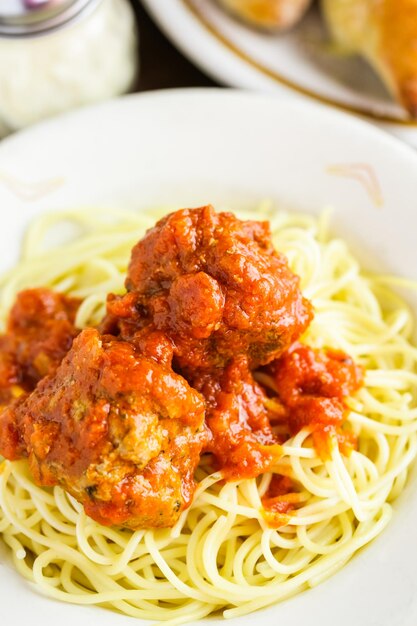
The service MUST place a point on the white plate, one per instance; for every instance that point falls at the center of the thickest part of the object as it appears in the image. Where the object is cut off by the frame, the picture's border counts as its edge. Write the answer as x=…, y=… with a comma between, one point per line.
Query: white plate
x=187, y=148
x=295, y=65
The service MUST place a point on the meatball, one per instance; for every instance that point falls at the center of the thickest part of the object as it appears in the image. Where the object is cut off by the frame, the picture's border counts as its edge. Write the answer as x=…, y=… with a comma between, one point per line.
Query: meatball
x=40, y=331
x=216, y=287
x=10, y=374
x=118, y=431
x=241, y=438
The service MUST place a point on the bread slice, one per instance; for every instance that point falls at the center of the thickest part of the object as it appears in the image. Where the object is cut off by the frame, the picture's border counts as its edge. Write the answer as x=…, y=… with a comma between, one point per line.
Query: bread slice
x=385, y=33
x=270, y=14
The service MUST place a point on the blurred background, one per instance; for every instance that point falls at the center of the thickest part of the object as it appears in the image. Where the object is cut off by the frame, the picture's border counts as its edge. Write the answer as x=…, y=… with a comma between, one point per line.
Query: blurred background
x=162, y=66
x=359, y=56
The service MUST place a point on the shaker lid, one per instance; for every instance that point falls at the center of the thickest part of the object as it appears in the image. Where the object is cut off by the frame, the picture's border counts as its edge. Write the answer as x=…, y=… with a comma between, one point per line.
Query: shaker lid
x=30, y=17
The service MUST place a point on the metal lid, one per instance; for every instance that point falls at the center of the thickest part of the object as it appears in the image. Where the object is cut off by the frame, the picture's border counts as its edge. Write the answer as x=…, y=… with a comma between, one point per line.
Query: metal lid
x=20, y=18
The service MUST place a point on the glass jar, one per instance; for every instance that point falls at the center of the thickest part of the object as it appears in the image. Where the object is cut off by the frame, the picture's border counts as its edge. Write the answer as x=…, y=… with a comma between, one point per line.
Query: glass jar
x=60, y=54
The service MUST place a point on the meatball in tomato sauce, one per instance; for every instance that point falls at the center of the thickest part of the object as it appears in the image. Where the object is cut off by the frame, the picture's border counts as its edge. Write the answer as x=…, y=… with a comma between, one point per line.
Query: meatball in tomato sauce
x=216, y=287
x=39, y=332
x=115, y=429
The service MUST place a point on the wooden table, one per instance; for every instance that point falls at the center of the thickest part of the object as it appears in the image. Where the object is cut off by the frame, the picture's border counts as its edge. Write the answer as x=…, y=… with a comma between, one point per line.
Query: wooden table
x=162, y=65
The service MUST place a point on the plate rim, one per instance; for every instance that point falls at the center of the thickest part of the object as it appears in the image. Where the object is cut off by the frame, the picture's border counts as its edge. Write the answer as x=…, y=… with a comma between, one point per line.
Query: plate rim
x=312, y=108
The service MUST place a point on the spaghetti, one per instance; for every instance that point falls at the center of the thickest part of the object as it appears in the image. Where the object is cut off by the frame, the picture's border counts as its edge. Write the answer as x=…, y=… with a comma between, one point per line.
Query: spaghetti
x=221, y=555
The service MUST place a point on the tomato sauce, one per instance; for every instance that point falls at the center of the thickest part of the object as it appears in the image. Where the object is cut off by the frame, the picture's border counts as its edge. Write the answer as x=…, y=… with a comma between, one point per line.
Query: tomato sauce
x=279, y=501
x=312, y=386
x=241, y=438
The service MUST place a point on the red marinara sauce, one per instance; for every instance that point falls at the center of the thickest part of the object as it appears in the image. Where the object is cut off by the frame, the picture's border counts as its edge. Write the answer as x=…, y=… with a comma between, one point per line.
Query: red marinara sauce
x=241, y=439
x=312, y=386
x=280, y=499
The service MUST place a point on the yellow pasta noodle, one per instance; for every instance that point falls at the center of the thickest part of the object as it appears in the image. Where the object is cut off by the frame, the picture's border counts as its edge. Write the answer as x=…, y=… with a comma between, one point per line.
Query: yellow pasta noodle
x=221, y=555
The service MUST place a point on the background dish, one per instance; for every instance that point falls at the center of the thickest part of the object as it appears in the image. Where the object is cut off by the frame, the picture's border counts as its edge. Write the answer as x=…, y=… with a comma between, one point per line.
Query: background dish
x=293, y=65
x=188, y=148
